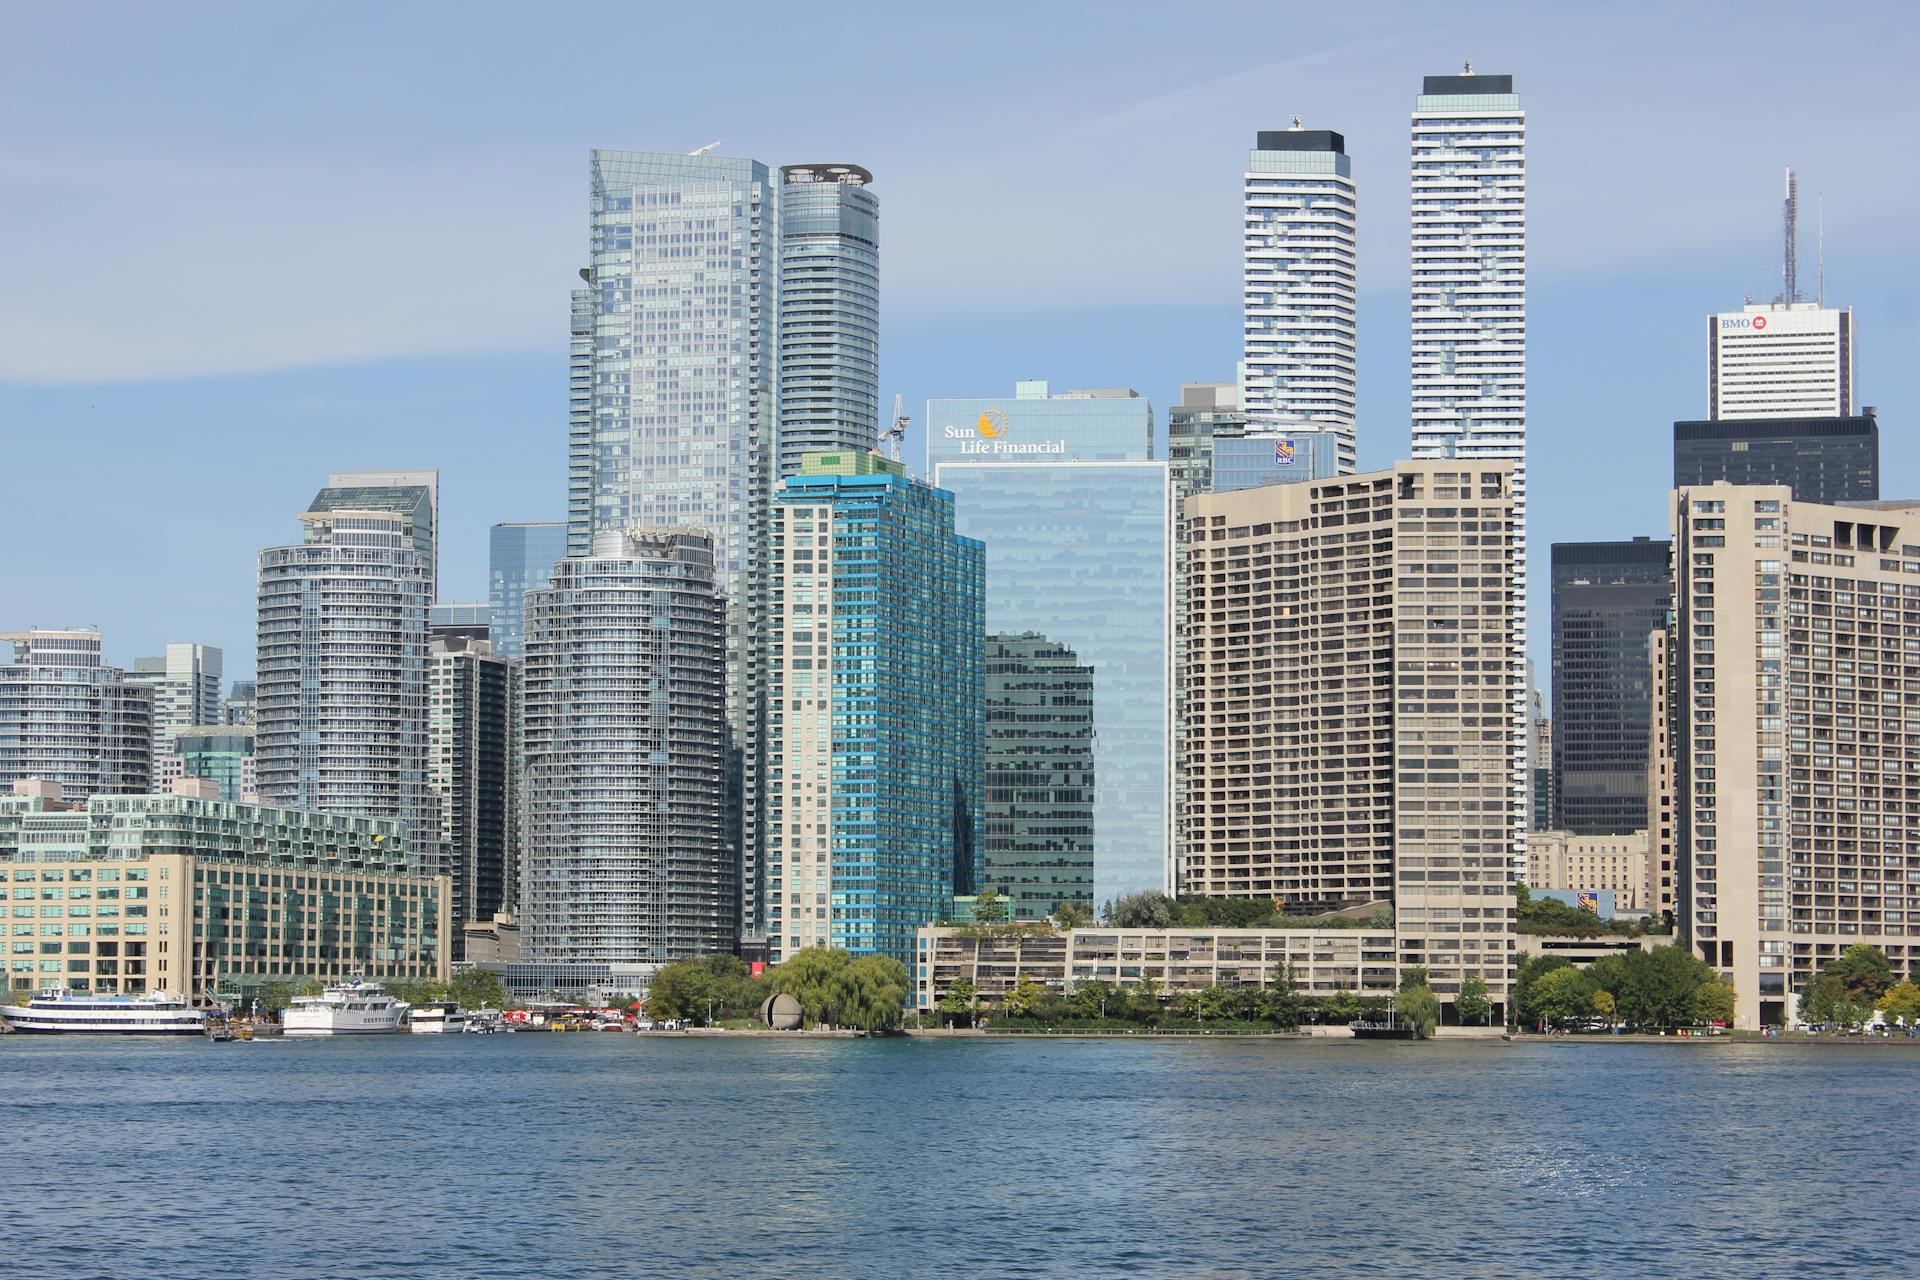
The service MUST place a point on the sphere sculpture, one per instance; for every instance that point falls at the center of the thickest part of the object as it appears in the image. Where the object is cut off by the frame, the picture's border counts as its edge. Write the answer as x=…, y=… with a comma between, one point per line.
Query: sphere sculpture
x=781, y=1012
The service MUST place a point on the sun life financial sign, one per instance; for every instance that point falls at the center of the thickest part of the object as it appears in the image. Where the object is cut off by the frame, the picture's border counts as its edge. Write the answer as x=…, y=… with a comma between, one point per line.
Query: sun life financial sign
x=989, y=436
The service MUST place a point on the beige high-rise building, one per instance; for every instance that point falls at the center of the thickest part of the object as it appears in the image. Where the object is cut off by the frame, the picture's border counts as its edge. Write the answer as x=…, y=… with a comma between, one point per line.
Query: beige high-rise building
x=1569, y=860
x=1794, y=736
x=1350, y=704
x=1661, y=857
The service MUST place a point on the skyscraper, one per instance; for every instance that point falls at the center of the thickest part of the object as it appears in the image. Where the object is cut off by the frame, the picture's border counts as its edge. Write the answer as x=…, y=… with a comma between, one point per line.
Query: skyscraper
x=1347, y=704
x=520, y=558
x=1820, y=459
x=1300, y=284
x=416, y=494
x=1039, y=846
x=237, y=706
x=186, y=690
x=223, y=755
x=66, y=717
x=626, y=861
x=829, y=311
x=875, y=708
x=470, y=734
x=341, y=711
x=1607, y=598
x=678, y=427
x=1780, y=360
x=1470, y=310
x=1076, y=515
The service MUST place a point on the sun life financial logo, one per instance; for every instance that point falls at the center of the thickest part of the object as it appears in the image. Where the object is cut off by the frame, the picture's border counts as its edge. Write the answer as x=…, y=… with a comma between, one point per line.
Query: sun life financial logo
x=989, y=435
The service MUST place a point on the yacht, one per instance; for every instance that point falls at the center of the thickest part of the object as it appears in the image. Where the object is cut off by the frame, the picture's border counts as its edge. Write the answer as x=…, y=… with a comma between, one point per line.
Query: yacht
x=439, y=1017
x=58, y=1011
x=353, y=1008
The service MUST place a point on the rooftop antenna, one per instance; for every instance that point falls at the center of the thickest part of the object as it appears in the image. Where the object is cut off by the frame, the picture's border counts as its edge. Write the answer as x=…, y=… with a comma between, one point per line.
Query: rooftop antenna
x=897, y=432
x=1790, y=216
x=1467, y=70
x=700, y=151
x=1296, y=123
x=1820, y=203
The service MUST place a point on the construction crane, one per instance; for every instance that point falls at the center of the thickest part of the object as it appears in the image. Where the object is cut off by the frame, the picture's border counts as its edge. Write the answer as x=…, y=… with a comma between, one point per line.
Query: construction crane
x=700, y=151
x=894, y=434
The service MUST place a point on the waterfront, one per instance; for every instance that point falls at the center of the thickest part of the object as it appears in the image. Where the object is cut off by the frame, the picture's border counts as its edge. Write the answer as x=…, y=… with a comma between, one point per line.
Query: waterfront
x=597, y=1155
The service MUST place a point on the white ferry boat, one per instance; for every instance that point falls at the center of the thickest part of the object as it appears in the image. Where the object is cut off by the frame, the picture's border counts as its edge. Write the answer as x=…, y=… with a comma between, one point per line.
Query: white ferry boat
x=440, y=1017
x=348, y=1009
x=58, y=1011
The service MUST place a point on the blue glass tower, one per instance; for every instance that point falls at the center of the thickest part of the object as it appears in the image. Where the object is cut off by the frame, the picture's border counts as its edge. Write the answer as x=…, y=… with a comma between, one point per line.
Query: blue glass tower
x=876, y=708
x=520, y=558
x=829, y=311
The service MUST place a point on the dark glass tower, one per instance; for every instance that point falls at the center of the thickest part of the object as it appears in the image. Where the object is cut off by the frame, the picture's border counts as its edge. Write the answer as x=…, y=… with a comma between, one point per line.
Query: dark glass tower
x=1040, y=775
x=1607, y=598
x=1820, y=459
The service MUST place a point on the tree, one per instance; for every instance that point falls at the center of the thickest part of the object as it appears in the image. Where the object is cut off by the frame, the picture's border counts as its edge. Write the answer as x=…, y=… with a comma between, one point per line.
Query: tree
x=1145, y=910
x=1714, y=1001
x=1472, y=1004
x=311, y=987
x=1826, y=1003
x=1022, y=997
x=1657, y=986
x=1072, y=915
x=989, y=908
x=1561, y=996
x=1526, y=981
x=1090, y=999
x=872, y=991
x=274, y=996
x=478, y=989
x=1604, y=1006
x=413, y=991
x=960, y=1000
x=811, y=976
x=1419, y=1008
x=1864, y=971
x=1901, y=1003
x=1280, y=1003
x=1341, y=1007
x=1414, y=975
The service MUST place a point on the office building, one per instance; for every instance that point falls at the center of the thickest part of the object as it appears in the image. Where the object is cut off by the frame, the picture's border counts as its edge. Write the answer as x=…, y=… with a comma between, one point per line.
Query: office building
x=1607, y=598
x=1820, y=459
x=678, y=429
x=1470, y=305
x=1299, y=278
x=464, y=621
x=1039, y=846
x=1780, y=360
x=520, y=558
x=67, y=718
x=1791, y=657
x=1075, y=512
x=341, y=716
x=1348, y=700
x=414, y=494
x=221, y=754
x=238, y=706
x=1616, y=863
x=829, y=311
x=1662, y=854
x=208, y=898
x=470, y=734
x=1539, y=756
x=186, y=690
x=875, y=709
x=627, y=862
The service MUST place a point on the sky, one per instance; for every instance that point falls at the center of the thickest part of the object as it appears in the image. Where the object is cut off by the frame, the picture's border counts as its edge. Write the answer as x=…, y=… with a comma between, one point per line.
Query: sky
x=244, y=246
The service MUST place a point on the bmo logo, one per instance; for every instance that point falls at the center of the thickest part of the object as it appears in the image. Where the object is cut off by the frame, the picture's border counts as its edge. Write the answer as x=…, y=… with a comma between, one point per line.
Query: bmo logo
x=1742, y=322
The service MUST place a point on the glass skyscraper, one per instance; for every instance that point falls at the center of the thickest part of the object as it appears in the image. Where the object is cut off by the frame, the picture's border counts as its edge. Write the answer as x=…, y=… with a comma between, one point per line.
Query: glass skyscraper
x=1040, y=779
x=675, y=402
x=1076, y=515
x=829, y=311
x=875, y=708
x=520, y=558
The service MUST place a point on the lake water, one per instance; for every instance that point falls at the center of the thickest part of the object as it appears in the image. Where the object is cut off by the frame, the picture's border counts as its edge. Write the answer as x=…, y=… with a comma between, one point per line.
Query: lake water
x=601, y=1155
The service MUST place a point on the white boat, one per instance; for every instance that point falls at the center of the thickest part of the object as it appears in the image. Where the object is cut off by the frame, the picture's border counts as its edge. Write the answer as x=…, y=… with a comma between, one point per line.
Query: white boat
x=353, y=1008
x=58, y=1011
x=440, y=1017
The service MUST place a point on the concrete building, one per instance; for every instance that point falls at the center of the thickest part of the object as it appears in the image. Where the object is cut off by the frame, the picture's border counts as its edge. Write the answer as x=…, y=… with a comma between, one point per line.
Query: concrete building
x=470, y=735
x=1470, y=304
x=186, y=691
x=238, y=706
x=1322, y=962
x=197, y=896
x=1820, y=459
x=1607, y=598
x=671, y=428
x=1075, y=512
x=875, y=711
x=829, y=311
x=1299, y=278
x=341, y=718
x=1792, y=654
x=520, y=558
x=221, y=754
x=1039, y=847
x=627, y=862
x=1569, y=860
x=67, y=718
x=1780, y=360
x=1662, y=858
x=1347, y=700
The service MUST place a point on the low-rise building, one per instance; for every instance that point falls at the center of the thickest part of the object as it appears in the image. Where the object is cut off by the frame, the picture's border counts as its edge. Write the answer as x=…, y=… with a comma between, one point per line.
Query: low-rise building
x=1321, y=961
x=1566, y=860
x=186, y=893
x=1583, y=951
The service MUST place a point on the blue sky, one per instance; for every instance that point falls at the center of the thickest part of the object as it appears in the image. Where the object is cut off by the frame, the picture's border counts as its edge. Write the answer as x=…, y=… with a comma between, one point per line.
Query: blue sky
x=246, y=245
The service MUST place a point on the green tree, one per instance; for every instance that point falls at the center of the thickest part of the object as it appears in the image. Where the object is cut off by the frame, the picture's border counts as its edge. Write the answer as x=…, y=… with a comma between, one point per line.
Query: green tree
x=1561, y=996
x=1414, y=975
x=1341, y=1007
x=1526, y=980
x=812, y=976
x=413, y=991
x=872, y=993
x=1656, y=988
x=311, y=987
x=1864, y=971
x=676, y=991
x=1280, y=1003
x=1022, y=997
x=1714, y=1001
x=960, y=1001
x=1827, y=1002
x=1604, y=1006
x=1091, y=999
x=1072, y=915
x=478, y=989
x=1901, y=1003
x=272, y=997
x=1472, y=1005
x=1144, y=910
x=1419, y=1008
x=989, y=908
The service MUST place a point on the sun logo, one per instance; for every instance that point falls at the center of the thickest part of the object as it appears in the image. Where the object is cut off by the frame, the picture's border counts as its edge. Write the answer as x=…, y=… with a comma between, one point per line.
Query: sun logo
x=992, y=424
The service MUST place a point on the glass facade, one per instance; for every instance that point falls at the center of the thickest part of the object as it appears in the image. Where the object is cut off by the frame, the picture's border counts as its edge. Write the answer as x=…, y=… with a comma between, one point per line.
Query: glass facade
x=520, y=558
x=875, y=709
x=1279, y=459
x=829, y=311
x=1040, y=775
x=1820, y=459
x=222, y=754
x=1031, y=426
x=1079, y=553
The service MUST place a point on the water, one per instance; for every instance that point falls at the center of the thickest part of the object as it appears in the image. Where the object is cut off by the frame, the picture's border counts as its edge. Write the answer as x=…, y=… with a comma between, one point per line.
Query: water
x=601, y=1155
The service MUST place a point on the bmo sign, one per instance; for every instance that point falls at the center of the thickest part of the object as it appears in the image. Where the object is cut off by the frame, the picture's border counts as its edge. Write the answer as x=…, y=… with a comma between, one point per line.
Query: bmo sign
x=1742, y=322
